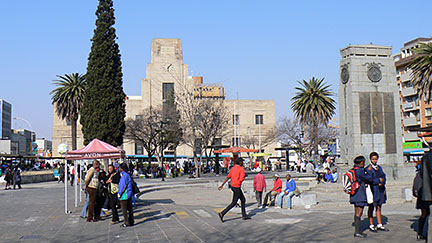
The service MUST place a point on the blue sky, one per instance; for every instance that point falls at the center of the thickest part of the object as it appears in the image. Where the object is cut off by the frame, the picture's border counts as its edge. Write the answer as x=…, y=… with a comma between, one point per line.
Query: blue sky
x=256, y=49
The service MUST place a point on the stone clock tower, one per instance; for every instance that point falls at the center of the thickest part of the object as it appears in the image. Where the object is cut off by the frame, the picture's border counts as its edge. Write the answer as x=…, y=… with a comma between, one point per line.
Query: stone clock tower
x=369, y=107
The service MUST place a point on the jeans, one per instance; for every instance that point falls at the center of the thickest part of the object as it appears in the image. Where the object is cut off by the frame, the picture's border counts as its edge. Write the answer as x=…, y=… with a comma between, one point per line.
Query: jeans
x=84, y=209
x=289, y=196
x=238, y=194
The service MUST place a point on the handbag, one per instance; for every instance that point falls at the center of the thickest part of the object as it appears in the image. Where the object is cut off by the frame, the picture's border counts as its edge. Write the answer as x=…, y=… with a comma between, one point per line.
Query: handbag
x=417, y=185
x=113, y=188
x=369, y=195
x=135, y=188
x=124, y=196
x=297, y=192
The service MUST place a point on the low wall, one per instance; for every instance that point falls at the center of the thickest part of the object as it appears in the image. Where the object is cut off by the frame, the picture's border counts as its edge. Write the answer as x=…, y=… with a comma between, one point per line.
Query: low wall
x=26, y=179
x=34, y=176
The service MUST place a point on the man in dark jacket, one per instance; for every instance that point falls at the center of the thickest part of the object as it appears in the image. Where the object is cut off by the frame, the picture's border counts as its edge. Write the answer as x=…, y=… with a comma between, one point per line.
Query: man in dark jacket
x=359, y=198
x=425, y=194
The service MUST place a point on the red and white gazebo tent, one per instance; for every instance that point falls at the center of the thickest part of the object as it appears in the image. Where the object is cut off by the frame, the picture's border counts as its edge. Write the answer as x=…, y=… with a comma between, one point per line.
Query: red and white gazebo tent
x=96, y=149
x=235, y=151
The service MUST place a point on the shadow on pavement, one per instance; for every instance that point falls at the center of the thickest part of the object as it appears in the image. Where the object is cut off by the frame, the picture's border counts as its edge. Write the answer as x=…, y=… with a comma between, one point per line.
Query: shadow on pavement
x=151, y=216
x=256, y=211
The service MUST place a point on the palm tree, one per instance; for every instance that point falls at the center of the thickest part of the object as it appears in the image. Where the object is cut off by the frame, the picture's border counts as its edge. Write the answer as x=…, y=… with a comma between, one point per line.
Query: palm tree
x=313, y=105
x=421, y=68
x=67, y=98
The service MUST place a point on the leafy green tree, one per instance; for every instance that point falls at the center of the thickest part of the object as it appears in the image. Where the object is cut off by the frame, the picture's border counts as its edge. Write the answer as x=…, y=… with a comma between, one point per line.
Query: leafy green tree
x=422, y=70
x=313, y=105
x=103, y=111
x=67, y=98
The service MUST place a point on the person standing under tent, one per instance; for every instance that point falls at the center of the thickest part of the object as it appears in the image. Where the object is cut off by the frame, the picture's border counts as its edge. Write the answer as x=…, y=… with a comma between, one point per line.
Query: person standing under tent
x=125, y=195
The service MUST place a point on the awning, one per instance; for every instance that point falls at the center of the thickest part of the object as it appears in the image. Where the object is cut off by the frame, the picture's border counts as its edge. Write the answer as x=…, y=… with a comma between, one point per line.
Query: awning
x=261, y=154
x=235, y=150
x=96, y=149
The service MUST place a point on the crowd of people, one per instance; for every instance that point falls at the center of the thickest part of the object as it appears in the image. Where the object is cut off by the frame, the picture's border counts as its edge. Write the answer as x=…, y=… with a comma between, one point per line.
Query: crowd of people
x=12, y=176
x=111, y=190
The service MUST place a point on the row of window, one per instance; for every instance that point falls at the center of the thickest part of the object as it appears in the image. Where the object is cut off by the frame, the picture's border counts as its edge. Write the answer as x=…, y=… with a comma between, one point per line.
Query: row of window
x=259, y=119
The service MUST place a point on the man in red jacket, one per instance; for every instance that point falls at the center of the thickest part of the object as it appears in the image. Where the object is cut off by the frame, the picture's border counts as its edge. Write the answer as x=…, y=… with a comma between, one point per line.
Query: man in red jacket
x=259, y=185
x=237, y=175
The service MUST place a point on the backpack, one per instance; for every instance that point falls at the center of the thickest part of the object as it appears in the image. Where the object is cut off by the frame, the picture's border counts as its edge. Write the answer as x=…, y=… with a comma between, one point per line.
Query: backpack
x=417, y=185
x=350, y=182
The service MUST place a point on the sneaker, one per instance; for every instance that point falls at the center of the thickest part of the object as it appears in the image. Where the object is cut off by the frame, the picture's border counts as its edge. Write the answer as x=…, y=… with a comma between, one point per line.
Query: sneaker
x=420, y=238
x=373, y=229
x=360, y=235
x=246, y=217
x=114, y=222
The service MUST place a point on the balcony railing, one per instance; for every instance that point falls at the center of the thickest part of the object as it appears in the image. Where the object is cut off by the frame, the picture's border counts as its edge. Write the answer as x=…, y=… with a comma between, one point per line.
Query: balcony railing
x=408, y=91
x=411, y=136
x=411, y=121
x=405, y=77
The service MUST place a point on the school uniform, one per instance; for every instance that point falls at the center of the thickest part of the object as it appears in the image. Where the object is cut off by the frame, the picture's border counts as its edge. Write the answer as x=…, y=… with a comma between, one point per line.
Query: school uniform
x=359, y=198
x=379, y=192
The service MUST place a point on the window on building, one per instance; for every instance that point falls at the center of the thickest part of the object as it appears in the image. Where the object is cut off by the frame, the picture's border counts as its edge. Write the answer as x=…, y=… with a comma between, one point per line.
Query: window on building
x=139, y=149
x=259, y=119
x=68, y=122
x=217, y=141
x=236, y=119
x=428, y=112
x=167, y=93
x=236, y=141
x=139, y=117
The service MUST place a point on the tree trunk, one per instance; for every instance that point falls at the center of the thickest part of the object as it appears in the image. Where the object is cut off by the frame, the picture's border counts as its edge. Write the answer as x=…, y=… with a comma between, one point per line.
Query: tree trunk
x=74, y=134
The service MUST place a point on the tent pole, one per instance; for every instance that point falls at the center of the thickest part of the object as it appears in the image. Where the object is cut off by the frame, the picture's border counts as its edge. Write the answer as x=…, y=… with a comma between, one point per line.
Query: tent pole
x=65, y=185
x=80, y=180
x=76, y=183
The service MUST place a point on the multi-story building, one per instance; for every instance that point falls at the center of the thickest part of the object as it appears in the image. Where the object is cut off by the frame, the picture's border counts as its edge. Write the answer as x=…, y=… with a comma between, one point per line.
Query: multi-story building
x=5, y=119
x=166, y=74
x=44, y=147
x=22, y=141
x=415, y=112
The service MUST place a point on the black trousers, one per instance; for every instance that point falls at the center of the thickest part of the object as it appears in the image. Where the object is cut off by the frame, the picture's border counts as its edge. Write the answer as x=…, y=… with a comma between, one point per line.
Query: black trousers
x=126, y=206
x=237, y=194
x=112, y=198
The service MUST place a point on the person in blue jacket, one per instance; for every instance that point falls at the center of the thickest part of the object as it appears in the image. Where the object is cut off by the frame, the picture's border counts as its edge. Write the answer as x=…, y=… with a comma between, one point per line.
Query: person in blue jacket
x=289, y=192
x=359, y=198
x=379, y=193
x=125, y=195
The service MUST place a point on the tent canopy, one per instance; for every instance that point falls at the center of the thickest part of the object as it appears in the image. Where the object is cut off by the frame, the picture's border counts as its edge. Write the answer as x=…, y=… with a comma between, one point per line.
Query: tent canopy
x=261, y=154
x=235, y=150
x=96, y=149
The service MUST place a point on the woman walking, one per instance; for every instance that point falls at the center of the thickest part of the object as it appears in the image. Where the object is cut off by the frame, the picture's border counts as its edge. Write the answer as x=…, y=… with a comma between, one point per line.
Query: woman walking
x=379, y=193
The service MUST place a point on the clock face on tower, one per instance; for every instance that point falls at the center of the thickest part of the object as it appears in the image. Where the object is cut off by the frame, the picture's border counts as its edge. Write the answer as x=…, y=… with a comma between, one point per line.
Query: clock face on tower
x=374, y=72
x=169, y=67
x=344, y=74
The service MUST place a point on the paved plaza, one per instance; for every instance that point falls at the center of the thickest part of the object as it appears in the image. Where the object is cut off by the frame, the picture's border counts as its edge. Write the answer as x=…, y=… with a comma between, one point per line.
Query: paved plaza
x=180, y=212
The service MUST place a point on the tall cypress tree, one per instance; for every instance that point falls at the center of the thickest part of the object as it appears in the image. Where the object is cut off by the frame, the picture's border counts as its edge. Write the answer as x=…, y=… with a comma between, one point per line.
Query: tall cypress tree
x=103, y=112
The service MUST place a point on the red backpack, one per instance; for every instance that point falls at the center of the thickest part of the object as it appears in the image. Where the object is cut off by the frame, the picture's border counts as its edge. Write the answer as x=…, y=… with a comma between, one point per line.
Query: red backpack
x=350, y=183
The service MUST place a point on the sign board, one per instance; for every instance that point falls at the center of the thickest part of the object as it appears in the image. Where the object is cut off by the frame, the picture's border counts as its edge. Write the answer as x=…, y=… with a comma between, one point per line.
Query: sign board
x=412, y=145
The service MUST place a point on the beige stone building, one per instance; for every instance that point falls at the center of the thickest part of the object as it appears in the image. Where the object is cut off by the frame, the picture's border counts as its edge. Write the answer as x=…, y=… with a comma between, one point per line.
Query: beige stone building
x=165, y=74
